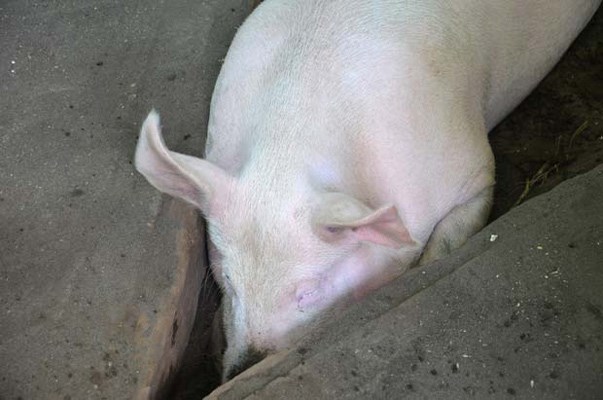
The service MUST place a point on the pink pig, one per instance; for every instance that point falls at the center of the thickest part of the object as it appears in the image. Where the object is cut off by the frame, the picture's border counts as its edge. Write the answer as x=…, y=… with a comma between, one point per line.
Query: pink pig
x=348, y=141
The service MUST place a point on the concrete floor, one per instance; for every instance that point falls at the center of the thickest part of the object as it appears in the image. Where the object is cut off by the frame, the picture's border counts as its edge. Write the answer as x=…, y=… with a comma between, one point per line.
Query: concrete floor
x=87, y=247
x=88, y=250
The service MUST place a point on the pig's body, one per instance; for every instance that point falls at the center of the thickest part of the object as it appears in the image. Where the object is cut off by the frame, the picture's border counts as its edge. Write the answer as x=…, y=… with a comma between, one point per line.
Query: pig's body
x=348, y=139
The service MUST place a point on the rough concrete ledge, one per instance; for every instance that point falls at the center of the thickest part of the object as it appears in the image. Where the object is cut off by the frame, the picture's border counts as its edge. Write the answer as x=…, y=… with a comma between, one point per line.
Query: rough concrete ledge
x=515, y=312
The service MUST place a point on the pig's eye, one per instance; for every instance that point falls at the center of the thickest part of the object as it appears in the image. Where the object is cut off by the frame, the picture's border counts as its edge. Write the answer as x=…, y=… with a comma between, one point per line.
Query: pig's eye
x=308, y=295
x=334, y=229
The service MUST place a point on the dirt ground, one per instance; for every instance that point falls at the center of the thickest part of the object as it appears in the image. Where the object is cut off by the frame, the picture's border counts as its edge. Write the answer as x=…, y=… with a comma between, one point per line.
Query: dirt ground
x=554, y=135
x=557, y=132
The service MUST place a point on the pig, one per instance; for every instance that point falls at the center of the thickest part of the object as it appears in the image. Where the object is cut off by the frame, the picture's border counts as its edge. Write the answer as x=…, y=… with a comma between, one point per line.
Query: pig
x=347, y=142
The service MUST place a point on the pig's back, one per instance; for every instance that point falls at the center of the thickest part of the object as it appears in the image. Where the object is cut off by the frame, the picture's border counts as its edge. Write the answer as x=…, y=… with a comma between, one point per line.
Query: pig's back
x=301, y=56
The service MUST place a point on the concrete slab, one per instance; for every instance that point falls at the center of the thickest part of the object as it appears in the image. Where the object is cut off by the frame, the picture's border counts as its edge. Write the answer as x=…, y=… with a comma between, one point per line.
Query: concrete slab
x=517, y=312
x=99, y=273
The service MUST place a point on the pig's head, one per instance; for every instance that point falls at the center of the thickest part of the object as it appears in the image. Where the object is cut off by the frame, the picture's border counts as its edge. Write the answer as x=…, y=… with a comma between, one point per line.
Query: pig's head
x=280, y=262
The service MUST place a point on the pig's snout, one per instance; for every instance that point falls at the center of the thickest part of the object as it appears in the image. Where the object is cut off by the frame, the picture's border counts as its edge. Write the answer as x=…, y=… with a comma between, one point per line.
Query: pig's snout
x=250, y=357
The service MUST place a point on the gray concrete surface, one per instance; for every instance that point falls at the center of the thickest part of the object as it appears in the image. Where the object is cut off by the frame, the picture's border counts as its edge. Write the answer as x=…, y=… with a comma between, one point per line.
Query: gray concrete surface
x=516, y=313
x=94, y=262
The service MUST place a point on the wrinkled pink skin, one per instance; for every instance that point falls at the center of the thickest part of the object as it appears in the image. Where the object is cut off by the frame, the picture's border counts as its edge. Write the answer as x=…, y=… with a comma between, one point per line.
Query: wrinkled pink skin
x=348, y=141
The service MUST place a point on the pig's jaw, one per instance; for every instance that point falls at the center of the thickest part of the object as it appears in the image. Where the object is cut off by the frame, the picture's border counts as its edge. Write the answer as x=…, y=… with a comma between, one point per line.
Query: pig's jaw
x=305, y=306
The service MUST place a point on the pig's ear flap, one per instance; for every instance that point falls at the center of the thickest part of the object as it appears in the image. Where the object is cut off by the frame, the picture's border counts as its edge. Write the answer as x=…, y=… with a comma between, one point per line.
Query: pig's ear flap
x=343, y=218
x=192, y=179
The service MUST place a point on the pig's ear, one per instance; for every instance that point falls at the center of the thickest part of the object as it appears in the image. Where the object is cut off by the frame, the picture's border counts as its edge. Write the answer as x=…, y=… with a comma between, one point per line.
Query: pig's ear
x=192, y=179
x=343, y=218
